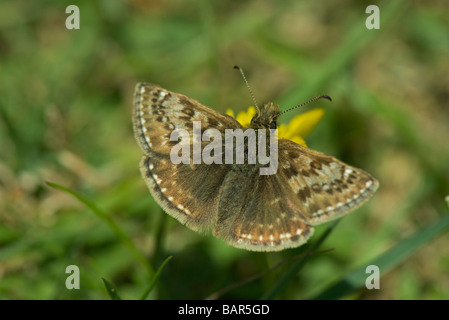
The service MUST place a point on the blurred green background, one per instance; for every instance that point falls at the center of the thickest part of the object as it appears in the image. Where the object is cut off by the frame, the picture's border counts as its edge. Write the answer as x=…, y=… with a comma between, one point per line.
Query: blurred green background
x=65, y=117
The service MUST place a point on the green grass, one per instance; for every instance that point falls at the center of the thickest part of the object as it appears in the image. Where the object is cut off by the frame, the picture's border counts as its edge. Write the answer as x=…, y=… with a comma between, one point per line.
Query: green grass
x=70, y=188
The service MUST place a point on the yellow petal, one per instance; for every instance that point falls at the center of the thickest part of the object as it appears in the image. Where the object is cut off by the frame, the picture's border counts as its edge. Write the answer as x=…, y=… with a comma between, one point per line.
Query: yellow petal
x=299, y=127
x=230, y=112
x=299, y=140
x=244, y=117
x=282, y=131
x=303, y=124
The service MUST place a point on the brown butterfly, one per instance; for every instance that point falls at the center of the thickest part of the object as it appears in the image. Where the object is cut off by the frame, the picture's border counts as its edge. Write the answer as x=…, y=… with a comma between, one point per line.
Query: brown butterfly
x=248, y=210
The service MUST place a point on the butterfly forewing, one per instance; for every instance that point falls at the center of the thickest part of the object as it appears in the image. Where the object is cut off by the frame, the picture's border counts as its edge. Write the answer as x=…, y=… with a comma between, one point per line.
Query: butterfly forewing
x=320, y=186
x=158, y=112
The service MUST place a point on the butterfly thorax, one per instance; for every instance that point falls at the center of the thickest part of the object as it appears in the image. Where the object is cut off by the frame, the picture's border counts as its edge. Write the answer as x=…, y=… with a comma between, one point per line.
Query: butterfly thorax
x=266, y=118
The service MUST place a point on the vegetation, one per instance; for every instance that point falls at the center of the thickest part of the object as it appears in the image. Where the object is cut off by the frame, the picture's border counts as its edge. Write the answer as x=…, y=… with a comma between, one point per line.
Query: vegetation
x=65, y=119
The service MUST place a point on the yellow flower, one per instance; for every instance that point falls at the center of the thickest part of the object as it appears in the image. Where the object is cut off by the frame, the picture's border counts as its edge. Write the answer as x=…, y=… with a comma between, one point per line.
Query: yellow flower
x=296, y=130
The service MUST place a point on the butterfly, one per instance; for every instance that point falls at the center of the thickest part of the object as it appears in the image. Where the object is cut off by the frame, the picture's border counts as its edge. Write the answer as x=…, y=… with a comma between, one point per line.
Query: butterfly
x=244, y=208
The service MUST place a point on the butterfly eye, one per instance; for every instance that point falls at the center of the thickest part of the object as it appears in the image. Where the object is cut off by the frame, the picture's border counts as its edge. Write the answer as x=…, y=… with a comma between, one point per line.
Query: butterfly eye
x=273, y=125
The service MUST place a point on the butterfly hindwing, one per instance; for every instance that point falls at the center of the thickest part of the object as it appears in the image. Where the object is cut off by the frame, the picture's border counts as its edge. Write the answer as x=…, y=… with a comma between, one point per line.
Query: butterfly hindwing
x=184, y=191
x=254, y=215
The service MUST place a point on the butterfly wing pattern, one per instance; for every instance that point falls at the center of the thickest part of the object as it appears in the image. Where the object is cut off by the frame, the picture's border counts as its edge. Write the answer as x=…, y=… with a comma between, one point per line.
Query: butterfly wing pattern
x=275, y=212
x=248, y=210
x=185, y=191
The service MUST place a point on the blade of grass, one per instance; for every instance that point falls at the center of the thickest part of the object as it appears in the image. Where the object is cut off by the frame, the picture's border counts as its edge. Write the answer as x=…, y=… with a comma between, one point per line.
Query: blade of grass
x=111, y=289
x=355, y=280
x=156, y=276
x=298, y=266
x=158, y=251
x=124, y=238
x=216, y=295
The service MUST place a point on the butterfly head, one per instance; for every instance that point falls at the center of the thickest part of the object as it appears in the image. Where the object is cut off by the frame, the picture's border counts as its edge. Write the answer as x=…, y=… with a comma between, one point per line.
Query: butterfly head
x=266, y=117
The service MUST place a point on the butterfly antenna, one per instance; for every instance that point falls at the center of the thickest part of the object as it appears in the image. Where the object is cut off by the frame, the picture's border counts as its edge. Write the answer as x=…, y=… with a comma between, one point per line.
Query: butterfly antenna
x=249, y=88
x=311, y=100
